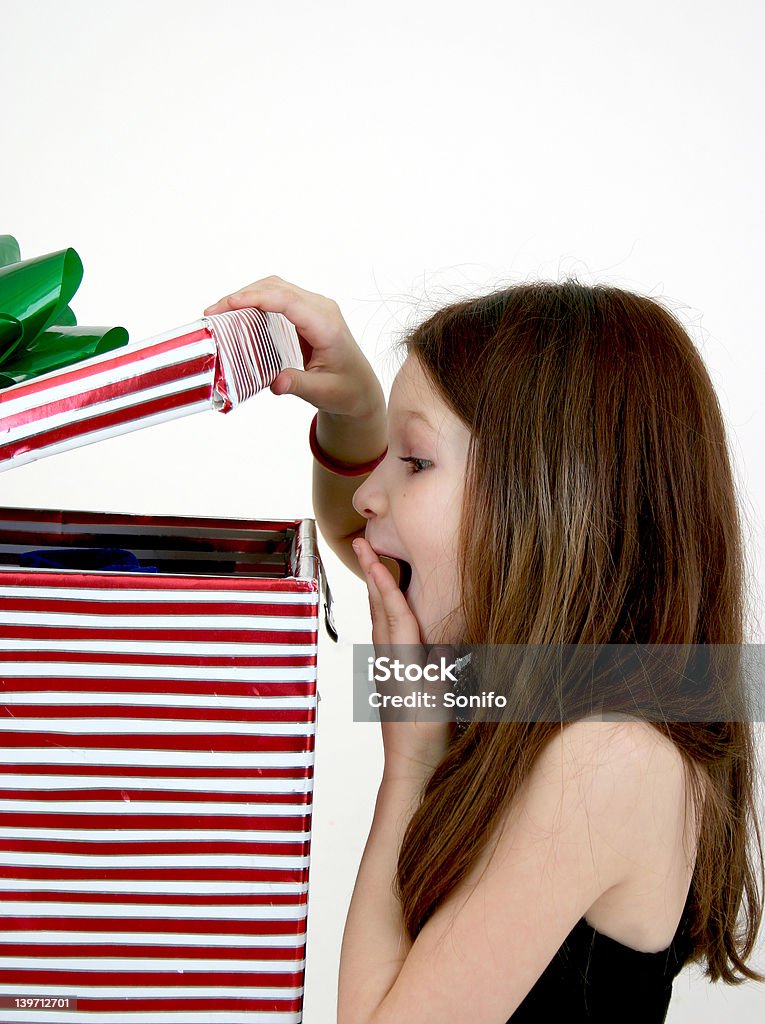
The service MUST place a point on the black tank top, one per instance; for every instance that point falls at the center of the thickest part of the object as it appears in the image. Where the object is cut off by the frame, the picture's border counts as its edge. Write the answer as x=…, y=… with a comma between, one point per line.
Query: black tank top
x=593, y=979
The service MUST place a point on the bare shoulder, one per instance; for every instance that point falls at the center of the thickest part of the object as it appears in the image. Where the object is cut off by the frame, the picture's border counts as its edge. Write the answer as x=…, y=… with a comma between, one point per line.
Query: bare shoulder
x=632, y=751
x=626, y=745
x=624, y=779
x=645, y=828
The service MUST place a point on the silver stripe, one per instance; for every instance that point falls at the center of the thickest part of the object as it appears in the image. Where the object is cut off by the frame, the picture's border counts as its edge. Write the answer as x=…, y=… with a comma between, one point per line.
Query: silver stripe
x=160, y=887
x=188, y=808
x=244, y=648
x=163, y=726
x=155, y=1017
x=197, y=623
x=251, y=912
x=180, y=833
x=149, y=991
x=153, y=964
x=152, y=938
x=108, y=671
x=162, y=758
x=52, y=698
x=127, y=781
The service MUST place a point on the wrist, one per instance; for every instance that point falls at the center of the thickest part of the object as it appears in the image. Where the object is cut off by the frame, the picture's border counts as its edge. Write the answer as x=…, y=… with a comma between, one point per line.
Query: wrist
x=400, y=788
x=410, y=769
x=348, y=446
x=364, y=402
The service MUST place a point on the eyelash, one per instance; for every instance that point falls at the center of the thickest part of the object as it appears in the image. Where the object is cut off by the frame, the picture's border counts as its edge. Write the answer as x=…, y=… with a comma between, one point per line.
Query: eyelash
x=414, y=461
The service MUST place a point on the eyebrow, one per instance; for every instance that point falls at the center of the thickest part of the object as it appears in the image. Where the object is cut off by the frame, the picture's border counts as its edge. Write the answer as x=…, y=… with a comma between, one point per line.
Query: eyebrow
x=415, y=414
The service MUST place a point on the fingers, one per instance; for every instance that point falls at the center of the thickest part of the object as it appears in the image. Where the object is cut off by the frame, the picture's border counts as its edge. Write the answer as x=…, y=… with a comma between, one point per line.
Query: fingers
x=266, y=289
x=392, y=618
x=317, y=318
x=367, y=557
x=381, y=636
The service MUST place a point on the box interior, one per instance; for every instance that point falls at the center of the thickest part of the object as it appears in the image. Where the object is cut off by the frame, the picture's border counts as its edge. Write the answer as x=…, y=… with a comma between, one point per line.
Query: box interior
x=192, y=550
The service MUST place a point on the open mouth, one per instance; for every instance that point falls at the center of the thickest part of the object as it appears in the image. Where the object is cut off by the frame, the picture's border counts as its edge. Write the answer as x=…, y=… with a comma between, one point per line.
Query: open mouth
x=399, y=569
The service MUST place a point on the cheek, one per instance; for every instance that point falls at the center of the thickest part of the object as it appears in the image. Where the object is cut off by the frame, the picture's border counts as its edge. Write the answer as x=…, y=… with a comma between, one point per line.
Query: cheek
x=428, y=520
x=439, y=571
x=447, y=529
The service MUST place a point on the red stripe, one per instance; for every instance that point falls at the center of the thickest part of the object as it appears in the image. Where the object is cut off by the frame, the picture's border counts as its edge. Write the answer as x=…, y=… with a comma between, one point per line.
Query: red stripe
x=240, y=822
x=140, y=711
x=133, y=795
x=201, y=877
x=214, y=1005
x=167, y=899
x=156, y=895
x=47, y=580
x=198, y=634
x=286, y=660
x=212, y=743
x=179, y=979
x=75, y=605
x=209, y=926
x=68, y=684
x=102, y=848
x=159, y=952
x=297, y=773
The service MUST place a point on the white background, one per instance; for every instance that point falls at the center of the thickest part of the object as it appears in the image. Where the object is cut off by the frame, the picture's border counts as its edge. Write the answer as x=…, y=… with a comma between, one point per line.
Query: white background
x=392, y=156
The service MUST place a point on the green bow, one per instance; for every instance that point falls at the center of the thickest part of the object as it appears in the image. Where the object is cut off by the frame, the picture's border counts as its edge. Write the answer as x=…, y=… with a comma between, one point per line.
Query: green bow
x=38, y=330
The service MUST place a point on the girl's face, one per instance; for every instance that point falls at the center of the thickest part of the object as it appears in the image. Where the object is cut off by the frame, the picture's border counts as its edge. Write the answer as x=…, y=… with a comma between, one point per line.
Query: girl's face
x=412, y=501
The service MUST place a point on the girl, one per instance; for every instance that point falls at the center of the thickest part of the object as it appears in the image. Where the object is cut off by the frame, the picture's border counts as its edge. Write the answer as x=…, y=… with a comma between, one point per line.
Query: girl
x=556, y=472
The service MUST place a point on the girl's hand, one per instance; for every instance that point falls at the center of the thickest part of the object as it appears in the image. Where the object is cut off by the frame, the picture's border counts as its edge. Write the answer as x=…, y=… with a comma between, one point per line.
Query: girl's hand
x=338, y=377
x=416, y=742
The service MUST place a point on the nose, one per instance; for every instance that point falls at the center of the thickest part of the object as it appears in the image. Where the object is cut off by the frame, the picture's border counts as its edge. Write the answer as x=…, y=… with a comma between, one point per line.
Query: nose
x=369, y=499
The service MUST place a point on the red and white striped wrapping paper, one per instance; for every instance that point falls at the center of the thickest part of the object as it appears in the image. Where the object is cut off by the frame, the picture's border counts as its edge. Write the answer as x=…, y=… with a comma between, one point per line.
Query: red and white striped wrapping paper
x=215, y=363
x=156, y=769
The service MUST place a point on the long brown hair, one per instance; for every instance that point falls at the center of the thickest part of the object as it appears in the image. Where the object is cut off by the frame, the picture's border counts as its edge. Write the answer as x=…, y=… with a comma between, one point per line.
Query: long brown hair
x=600, y=475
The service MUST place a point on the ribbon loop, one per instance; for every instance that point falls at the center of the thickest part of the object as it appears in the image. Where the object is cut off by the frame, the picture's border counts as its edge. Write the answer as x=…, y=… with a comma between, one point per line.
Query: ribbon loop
x=38, y=330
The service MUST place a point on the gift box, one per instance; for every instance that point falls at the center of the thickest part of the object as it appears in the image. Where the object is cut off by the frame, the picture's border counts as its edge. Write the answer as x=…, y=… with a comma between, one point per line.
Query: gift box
x=159, y=704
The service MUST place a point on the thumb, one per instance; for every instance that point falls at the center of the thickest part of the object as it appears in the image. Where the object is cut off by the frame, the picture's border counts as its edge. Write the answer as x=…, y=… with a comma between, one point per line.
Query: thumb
x=293, y=382
x=313, y=388
x=283, y=384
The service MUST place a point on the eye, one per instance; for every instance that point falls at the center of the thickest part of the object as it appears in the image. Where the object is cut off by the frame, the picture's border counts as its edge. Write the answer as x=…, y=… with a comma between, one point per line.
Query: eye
x=417, y=465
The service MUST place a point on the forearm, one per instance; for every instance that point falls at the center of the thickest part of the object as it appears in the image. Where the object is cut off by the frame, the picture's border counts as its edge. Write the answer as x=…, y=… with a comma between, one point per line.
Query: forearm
x=356, y=440
x=375, y=944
